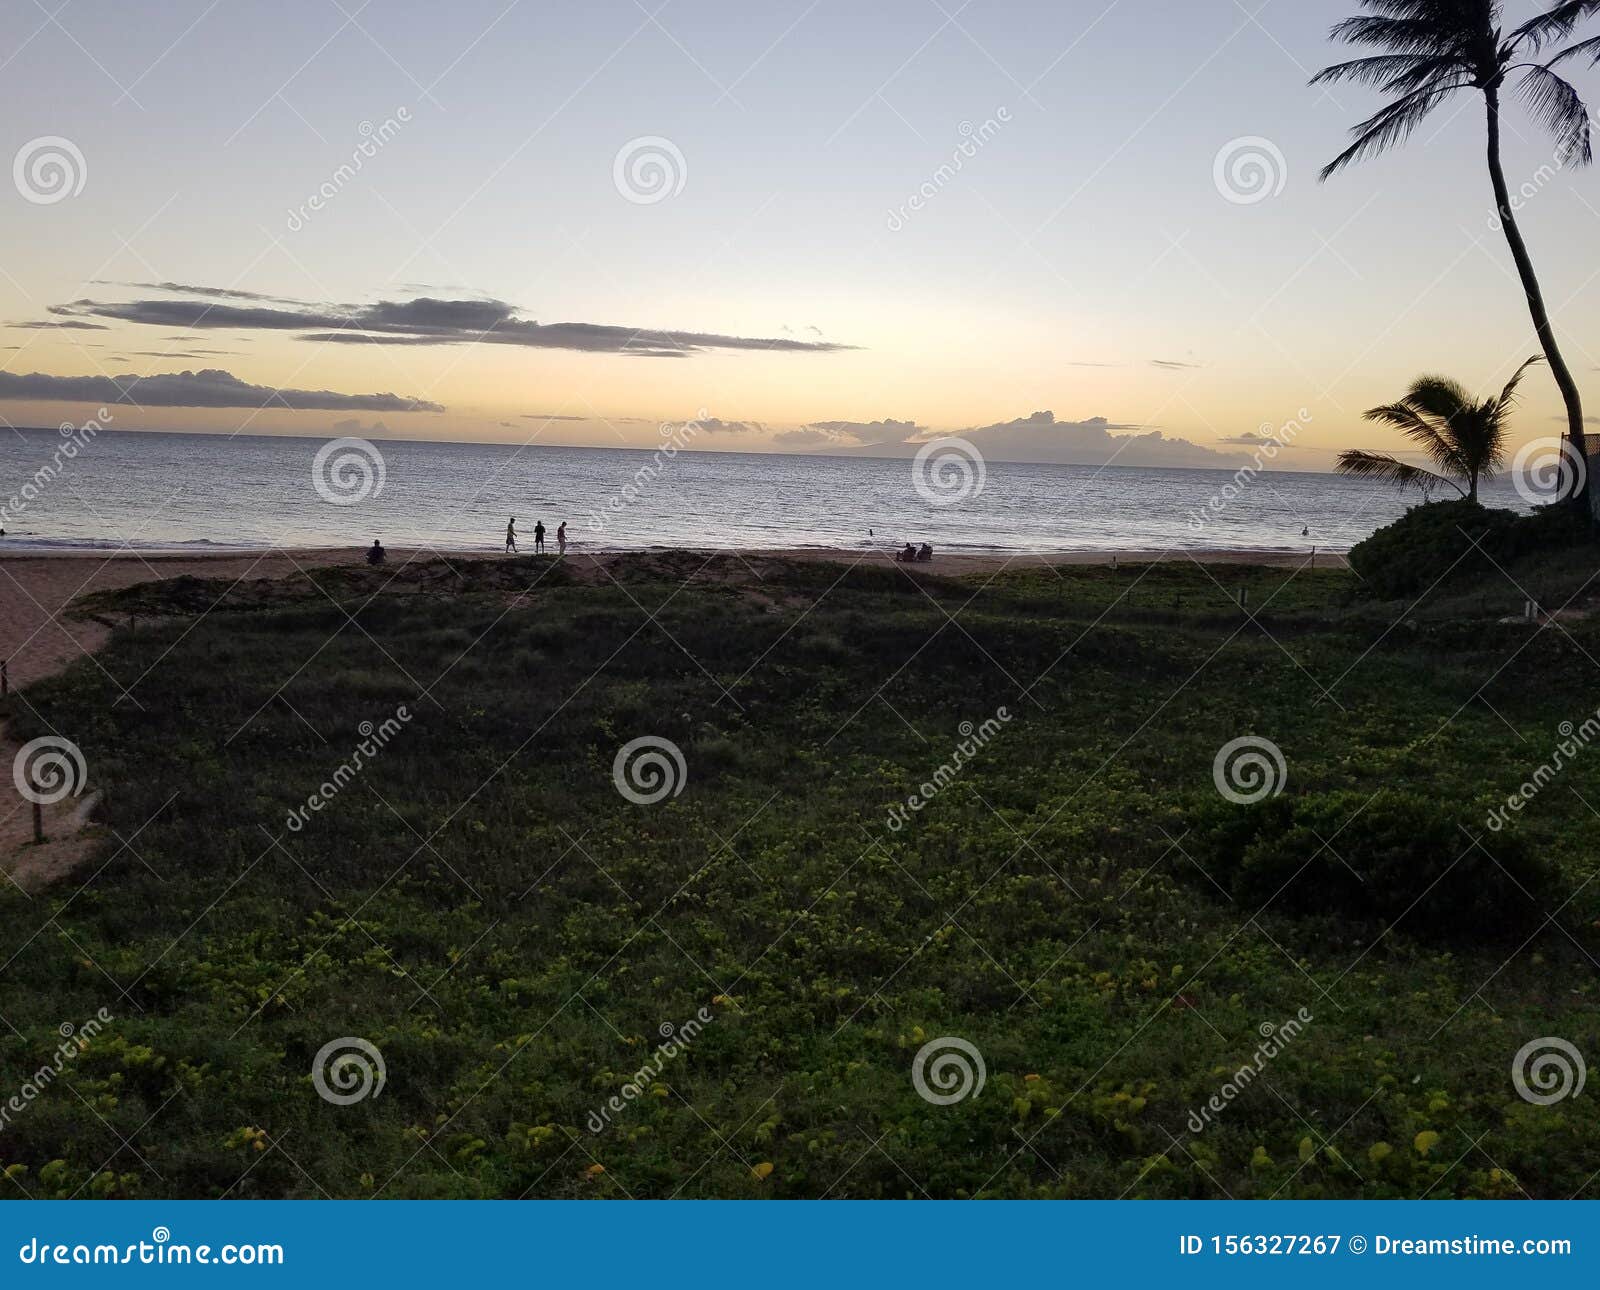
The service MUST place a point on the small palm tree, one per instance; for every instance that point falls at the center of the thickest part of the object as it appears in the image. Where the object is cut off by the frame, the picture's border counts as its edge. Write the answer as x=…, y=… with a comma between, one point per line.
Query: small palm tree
x=1465, y=439
x=1433, y=49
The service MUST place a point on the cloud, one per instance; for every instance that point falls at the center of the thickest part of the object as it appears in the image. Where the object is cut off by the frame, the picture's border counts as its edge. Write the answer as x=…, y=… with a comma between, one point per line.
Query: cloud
x=1095, y=442
x=714, y=425
x=803, y=438
x=870, y=432
x=424, y=320
x=353, y=426
x=210, y=388
x=552, y=416
x=62, y=326
x=184, y=353
x=1174, y=365
x=184, y=288
x=1250, y=439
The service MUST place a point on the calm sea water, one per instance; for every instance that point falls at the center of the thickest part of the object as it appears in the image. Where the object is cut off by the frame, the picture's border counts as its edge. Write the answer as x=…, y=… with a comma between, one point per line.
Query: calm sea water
x=158, y=491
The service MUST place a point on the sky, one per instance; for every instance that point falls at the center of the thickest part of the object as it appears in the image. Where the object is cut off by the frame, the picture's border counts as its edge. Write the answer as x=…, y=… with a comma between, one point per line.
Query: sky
x=809, y=226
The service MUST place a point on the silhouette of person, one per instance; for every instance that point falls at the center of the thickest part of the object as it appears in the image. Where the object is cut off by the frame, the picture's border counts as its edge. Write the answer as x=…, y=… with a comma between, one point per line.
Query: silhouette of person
x=376, y=553
x=511, y=535
x=561, y=537
x=1306, y=532
x=538, y=536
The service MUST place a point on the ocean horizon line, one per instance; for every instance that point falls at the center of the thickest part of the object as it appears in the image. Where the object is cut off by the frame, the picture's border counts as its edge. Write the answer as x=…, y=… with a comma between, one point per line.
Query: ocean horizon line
x=855, y=455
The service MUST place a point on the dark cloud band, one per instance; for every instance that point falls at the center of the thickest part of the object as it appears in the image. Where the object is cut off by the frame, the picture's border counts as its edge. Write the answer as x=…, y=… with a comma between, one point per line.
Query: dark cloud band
x=211, y=388
x=422, y=321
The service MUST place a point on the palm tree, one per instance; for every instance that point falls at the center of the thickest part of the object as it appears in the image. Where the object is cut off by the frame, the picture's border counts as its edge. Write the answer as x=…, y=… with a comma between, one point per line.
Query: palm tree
x=1434, y=48
x=1464, y=438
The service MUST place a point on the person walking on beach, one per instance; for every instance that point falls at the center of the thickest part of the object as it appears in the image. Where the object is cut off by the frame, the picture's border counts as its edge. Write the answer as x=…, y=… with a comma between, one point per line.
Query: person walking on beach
x=561, y=537
x=538, y=537
x=511, y=536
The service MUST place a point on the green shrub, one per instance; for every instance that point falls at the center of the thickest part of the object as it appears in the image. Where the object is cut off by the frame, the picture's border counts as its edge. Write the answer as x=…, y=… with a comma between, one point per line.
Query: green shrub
x=1397, y=857
x=1444, y=541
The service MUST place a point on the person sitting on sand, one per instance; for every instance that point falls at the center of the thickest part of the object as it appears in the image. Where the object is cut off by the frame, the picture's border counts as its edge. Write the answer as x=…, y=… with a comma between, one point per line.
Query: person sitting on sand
x=561, y=537
x=511, y=536
x=908, y=555
x=376, y=553
x=538, y=537
x=925, y=554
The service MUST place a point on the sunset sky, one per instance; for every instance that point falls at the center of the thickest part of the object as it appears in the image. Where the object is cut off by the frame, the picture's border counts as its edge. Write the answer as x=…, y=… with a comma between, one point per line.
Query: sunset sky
x=1082, y=259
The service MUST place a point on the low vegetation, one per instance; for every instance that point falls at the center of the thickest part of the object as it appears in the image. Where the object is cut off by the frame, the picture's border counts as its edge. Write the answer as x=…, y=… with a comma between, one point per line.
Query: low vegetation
x=482, y=906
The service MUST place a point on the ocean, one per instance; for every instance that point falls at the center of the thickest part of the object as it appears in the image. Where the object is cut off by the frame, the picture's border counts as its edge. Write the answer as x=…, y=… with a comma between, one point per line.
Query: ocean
x=154, y=491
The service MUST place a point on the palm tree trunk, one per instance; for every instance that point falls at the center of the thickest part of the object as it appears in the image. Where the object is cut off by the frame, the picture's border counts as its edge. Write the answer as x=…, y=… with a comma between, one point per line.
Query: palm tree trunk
x=1541, y=317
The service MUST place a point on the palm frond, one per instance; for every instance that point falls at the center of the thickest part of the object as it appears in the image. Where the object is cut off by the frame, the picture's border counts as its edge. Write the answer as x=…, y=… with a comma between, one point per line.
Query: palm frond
x=1385, y=469
x=1496, y=417
x=1428, y=434
x=1391, y=125
x=1439, y=396
x=1555, y=24
x=1508, y=396
x=1378, y=69
x=1557, y=106
x=1403, y=35
x=1590, y=47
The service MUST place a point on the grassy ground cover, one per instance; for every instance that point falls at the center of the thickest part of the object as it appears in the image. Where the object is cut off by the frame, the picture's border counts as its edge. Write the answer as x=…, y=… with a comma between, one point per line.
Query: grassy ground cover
x=513, y=937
